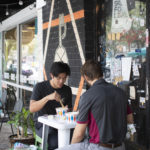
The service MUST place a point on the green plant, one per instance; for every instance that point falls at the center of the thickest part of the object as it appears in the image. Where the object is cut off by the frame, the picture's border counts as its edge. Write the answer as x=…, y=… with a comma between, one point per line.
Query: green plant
x=23, y=120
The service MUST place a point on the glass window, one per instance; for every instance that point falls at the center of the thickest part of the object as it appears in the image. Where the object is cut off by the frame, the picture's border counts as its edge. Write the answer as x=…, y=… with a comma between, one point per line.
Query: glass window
x=30, y=56
x=22, y=58
x=10, y=55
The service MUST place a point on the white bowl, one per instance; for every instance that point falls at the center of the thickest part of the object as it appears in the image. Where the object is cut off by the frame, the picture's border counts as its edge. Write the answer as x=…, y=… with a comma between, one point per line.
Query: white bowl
x=71, y=116
x=61, y=111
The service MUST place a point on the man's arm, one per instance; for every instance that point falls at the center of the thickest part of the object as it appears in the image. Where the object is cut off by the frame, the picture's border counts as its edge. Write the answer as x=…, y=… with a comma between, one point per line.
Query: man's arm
x=78, y=133
x=130, y=119
x=38, y=105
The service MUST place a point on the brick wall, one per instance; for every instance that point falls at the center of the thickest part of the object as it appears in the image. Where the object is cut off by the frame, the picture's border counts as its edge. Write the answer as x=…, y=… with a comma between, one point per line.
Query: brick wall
x=90, y=29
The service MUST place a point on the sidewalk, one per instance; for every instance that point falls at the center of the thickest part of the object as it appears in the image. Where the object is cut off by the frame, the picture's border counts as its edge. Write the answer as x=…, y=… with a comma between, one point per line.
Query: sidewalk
x=4, y=134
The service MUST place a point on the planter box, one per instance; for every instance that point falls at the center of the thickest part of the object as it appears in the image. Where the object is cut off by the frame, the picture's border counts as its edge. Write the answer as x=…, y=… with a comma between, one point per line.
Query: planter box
x=25, y=140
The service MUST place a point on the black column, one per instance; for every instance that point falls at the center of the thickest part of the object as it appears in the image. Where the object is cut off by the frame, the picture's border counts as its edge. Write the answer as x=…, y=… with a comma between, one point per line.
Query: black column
x=148, y=75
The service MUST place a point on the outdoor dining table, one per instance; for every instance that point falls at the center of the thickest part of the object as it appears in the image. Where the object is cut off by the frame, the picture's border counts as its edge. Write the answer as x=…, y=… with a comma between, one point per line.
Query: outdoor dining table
x=61, y=125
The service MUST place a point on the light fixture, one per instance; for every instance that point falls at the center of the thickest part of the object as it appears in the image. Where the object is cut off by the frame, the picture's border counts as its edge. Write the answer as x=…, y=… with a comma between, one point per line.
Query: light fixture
x=7, y=12
x=20, y=2
x=32, y=5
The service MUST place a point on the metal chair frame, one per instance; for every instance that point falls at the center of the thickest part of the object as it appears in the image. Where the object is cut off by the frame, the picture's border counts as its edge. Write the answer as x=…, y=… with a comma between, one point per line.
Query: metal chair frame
x=6, y=116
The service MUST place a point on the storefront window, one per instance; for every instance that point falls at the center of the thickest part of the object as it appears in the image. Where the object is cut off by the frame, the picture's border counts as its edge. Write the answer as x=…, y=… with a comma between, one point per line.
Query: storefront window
x=30, y=64
x=10, y=55
x=21, y=59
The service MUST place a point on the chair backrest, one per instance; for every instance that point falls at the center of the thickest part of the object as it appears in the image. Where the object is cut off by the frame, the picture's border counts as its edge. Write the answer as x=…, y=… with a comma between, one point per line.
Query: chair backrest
x=11, y=98
x=4, y=96
x=18, y=106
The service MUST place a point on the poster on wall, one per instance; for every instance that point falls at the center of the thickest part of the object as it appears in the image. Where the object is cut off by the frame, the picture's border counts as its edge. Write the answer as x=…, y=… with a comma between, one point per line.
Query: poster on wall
x=126, y=68
x=121, y=39
x=121, y=21
x=116, y=74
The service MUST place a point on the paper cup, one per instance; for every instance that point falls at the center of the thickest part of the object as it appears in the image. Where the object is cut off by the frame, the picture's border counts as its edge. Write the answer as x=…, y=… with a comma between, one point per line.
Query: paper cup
x=71, y=116
x=61, y=111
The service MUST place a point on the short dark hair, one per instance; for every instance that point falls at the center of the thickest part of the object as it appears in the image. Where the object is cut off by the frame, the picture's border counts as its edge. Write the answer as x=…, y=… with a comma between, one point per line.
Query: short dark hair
x=92, y=70
x=60, y=67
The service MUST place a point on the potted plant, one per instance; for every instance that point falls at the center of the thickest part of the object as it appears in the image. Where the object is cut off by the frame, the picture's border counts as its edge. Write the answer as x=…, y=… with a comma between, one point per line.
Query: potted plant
x=22, y=121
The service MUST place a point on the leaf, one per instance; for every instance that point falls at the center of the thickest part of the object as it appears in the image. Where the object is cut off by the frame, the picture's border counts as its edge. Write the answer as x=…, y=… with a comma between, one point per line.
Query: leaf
x=23, y=119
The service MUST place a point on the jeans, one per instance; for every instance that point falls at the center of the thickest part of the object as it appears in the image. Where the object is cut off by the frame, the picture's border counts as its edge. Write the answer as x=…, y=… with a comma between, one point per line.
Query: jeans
x=85, y=145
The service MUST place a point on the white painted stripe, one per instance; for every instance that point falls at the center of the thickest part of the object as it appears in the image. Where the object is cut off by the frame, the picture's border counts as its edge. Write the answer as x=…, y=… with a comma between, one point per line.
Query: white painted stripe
x=48, y=31
x=17, y=85
x=40, y=42
x=76, y=32
x=74, y=89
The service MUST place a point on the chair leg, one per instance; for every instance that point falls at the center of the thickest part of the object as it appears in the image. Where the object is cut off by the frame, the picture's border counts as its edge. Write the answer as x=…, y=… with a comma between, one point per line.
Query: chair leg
x=10, y=124
x=2, y=122
x=2, y=119
x=38, y=142
x=12, y=129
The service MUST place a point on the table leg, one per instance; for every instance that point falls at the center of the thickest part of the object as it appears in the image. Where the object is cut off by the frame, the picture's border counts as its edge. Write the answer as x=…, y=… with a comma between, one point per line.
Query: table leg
x=63, y=137
x=45, y=137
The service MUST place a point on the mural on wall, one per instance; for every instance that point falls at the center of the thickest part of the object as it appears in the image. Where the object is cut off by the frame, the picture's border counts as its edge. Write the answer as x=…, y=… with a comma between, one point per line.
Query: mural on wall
x=131, y=38
x=121, y=21
x=60, y=53
x=63, y=35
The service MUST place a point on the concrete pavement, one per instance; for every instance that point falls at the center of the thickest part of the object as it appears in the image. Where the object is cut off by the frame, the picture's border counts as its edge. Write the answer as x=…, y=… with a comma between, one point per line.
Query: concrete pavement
x=4, y=134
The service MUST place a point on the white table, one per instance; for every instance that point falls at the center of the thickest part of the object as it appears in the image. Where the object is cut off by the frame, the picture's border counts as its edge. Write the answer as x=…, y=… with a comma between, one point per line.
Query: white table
x=63, y=130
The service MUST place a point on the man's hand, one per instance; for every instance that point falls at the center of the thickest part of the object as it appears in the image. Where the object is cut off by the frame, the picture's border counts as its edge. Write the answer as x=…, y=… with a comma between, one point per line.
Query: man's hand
x=38, y=105
x=54, y=96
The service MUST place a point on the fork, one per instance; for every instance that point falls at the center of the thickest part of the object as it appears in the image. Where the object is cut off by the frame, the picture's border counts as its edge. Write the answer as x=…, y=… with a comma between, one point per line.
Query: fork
x=61, y=102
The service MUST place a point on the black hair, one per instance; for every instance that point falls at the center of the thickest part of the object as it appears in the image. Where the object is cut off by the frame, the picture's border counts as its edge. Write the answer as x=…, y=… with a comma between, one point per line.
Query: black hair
x=60, y=67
